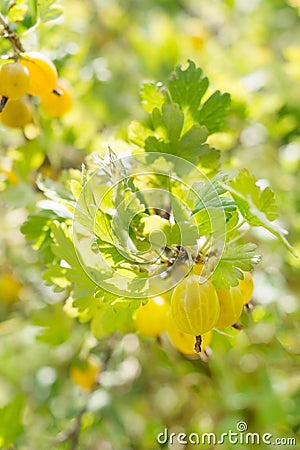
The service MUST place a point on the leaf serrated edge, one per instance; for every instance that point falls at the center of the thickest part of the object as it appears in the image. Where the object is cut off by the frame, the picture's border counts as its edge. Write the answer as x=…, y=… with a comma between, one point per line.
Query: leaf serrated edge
x=265, y=223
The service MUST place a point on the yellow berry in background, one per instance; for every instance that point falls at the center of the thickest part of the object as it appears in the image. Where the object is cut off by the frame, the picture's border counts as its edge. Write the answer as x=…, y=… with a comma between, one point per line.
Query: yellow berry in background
x=84, y=373
x=10, y=175
x=14, y=80
x=231, y=306
x=42, y=73
x=183, y=342
x=150, y=319
x=17, y=113
x=58, y=102
x=10, y=288
x=246, y=287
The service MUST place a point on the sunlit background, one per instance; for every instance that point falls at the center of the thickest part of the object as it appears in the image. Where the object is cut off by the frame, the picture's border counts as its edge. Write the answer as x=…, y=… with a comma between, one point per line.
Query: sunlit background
x=106, y=49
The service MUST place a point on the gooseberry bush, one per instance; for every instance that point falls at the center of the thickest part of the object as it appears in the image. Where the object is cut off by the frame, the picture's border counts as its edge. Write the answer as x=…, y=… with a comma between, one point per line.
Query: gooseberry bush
x=160, y=229
x=151, y=240
x=146, y=233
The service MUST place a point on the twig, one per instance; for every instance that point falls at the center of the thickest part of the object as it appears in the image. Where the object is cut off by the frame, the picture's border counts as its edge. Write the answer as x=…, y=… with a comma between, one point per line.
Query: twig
x=11, y=36
x=73, y=433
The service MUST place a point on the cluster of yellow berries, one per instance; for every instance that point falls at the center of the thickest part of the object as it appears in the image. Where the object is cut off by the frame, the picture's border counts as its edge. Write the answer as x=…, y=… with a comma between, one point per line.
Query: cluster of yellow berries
x=195, y=310
x=33, y=74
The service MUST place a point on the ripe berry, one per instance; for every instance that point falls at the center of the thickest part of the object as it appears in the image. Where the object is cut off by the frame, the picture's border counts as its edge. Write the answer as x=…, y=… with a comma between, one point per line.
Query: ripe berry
x=42, y=73
x=195, y=307
x=150, y=319
x=183, y=342
x=17, y=113
x=231, y=306
x=84, y=372
x=247, y=287
x=10, y=288
x=14, y=82
x=58, y=103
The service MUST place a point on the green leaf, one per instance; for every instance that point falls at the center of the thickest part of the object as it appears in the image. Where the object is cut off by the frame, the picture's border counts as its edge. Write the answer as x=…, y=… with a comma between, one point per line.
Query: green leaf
x=232, y=229
x=48, y=10
x=83, y=286
x=17, y=11
x=208, y=158
x=191, y=141
x=115, y=316
x=29, y=157
x=62, y=200
x=235, y=259
x=151, y=96
x=37, y=229
x=128, y=206
x=33, y=11
x=168, y=122
x=210, y=194
x=55, y=324
x=249, y=192
x=138, y=133
x=64, y=248
x=213, y=112
x=76, y=188
x=88, y=308
x=187, y=87
x=11, y=426
x=180, y=123
x=169, y=126
x=152, y=145
x=183, y=233
x=106, y=312
x=37, y=224
x=57, y=276
x=110, y=253
x=192, y=148
x=257, y=205
x=204, y=222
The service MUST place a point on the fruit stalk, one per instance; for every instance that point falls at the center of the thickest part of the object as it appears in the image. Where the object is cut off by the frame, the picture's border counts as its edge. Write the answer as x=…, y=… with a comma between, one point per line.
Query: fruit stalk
x=198, y=344
x=3, y=102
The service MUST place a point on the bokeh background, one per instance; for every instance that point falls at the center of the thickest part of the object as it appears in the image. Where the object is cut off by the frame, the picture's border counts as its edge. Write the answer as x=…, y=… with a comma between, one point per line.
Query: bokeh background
x=106, y=49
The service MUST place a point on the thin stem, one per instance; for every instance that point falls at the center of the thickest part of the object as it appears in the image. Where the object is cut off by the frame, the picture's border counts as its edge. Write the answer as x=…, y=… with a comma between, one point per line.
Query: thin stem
x=235, y=228
x=74, y=432
x=205, y=245
x=239, y=225
x=198, y=344
x=239, y=236
x=11, y=36
x=74, y=436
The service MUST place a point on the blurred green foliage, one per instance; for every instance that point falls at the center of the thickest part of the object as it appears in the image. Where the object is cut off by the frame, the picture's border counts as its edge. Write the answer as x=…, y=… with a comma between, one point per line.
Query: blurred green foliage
x=106, y=49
